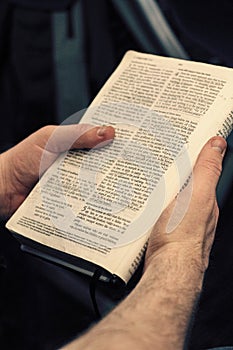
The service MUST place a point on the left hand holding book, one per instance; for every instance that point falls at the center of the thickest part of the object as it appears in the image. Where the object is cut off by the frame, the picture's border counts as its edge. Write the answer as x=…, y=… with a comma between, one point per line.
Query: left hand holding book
x=21, y=166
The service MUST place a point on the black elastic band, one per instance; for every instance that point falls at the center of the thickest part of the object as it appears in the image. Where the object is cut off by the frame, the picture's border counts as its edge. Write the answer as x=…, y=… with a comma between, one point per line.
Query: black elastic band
x=92, y=290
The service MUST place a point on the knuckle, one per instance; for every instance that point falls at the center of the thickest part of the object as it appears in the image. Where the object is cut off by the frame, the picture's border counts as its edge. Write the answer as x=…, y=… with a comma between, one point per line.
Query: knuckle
x=212, y=165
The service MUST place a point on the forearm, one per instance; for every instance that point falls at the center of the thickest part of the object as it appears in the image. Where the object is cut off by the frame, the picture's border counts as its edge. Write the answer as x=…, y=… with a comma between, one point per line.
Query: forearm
x=156, y=314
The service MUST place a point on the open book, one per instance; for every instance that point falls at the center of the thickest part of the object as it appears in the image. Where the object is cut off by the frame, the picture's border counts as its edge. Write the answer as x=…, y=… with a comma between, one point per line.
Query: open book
x=97, y=207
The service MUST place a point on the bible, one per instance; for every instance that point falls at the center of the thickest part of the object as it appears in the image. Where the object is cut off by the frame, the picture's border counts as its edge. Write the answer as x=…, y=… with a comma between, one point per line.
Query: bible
x=96, y=208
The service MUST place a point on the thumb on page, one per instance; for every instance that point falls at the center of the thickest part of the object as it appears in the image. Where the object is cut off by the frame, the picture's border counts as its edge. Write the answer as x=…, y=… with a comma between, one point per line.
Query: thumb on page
x=208, y=168
x=202, y=185
x=61, y=138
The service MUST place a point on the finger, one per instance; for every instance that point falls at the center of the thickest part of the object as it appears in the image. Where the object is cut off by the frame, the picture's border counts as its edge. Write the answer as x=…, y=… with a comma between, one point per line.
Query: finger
x=206, y=174
x=208, y=168
x=95, y=137
x=58, y=139
x=201, y=188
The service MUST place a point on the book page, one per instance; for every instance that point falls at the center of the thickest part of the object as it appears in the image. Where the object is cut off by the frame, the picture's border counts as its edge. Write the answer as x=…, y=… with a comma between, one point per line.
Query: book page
x=101, y=204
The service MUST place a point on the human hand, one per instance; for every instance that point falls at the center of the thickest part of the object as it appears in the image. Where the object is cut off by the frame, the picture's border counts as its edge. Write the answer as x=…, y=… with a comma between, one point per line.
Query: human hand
x=192, y=239
x=21, y=165
x=157, y=312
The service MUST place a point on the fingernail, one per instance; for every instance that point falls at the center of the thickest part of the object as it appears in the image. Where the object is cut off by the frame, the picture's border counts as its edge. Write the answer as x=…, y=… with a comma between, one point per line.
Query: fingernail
x=101, y=131
x=219, y=145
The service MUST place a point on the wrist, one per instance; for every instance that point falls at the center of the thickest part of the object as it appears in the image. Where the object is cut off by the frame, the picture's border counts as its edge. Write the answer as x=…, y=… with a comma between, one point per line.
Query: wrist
x=175, y=280
x=185, y=257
